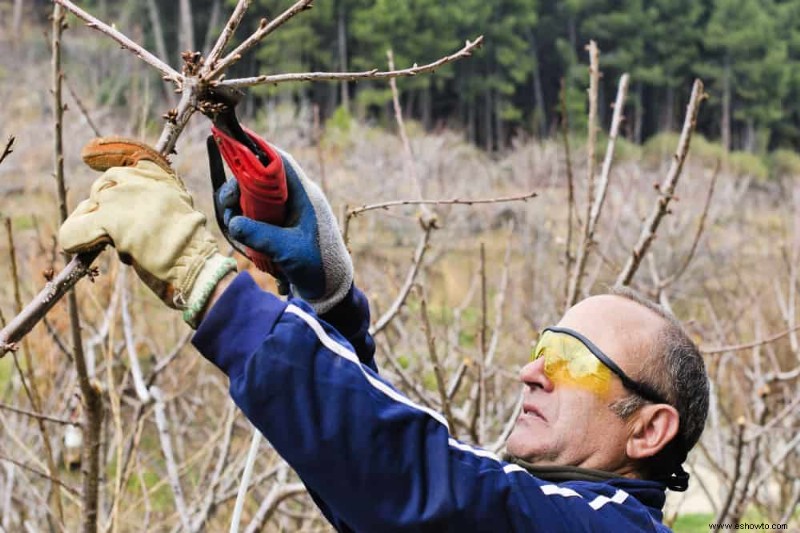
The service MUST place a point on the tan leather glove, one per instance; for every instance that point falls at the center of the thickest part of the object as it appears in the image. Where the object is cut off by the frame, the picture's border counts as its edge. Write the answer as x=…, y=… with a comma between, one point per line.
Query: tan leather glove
x=145, y=212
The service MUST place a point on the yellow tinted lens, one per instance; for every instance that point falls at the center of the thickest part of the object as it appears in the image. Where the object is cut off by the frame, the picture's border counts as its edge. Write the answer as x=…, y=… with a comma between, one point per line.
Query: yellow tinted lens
x=567, y=361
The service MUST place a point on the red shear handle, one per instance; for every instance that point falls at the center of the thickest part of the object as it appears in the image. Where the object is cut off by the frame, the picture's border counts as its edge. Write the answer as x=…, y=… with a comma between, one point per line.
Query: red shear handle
x=263, y=188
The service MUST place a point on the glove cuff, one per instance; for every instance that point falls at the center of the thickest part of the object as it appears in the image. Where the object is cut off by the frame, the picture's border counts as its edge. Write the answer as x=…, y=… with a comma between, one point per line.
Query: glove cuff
x=325, y=304
x=214, y=269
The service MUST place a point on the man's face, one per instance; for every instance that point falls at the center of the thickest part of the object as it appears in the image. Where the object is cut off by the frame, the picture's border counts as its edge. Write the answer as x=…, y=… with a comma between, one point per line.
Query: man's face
x=569, y=425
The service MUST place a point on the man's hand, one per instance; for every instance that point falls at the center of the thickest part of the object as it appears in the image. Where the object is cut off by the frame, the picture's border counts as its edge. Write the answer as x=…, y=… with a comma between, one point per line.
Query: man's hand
x=309, y=250
x=142, y=208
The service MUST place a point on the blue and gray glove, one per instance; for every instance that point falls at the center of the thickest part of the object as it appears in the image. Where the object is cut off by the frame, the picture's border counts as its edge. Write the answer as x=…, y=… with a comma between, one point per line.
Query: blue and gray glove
x=309, y=250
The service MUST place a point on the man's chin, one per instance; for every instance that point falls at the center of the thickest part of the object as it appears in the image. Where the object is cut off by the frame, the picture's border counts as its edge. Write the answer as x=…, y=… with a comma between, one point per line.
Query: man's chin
x=529, y=449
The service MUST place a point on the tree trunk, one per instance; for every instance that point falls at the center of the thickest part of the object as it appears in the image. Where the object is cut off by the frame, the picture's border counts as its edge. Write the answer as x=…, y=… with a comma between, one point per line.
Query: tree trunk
x=186, y=39
x=472, y=128
x=639, y=121
x=540, y=112
x=573, y=34
x=16, y=25
x=750, y=136
x=158, y=31
x=426, y=104
x=487, y=119
x=341, y=32
x=212, y=31
x=158, y=37
x=499, y=126
x=726, y=105
x=668, y=118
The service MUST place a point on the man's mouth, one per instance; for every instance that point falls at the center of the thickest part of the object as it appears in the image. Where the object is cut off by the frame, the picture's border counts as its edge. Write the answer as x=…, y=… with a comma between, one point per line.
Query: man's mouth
x=531, y=410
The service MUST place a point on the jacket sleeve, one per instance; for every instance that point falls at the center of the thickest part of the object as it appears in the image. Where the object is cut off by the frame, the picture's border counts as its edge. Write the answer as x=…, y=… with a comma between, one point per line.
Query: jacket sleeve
x=350, y=317
x=377, y=461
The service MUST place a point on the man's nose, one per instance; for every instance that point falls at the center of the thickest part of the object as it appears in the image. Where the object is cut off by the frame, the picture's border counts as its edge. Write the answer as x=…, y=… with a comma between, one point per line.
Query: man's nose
x=533, y=375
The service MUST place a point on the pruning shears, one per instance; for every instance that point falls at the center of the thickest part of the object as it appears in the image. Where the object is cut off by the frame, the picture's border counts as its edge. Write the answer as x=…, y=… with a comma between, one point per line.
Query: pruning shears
x=257, y=166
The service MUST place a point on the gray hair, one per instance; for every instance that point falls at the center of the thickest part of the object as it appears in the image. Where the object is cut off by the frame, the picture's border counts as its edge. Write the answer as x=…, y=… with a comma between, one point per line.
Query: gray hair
x=676, y=370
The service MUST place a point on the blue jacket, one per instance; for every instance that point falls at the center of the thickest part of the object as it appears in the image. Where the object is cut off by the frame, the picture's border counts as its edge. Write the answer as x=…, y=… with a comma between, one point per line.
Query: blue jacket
x=372, y=459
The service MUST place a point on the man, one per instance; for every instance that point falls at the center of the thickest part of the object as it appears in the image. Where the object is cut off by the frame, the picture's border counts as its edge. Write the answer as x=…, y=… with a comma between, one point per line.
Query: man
x=615, y=394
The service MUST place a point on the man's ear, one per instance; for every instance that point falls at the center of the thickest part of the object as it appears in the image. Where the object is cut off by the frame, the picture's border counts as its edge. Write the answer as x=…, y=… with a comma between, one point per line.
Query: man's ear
x=651, y=429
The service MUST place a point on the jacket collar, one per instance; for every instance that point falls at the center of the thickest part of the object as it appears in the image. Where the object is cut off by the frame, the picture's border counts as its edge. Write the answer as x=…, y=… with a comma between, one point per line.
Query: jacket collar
x=652, y=494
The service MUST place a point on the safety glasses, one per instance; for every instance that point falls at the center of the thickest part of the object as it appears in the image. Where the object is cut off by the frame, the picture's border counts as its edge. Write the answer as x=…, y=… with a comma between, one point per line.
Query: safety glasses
x=572, y=359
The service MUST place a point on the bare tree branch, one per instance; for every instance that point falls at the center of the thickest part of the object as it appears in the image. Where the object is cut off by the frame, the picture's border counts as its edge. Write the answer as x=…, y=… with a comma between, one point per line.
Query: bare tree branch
x=39, y=473
x=373, y=74
x=571, y=211
x=30, y=386
x=616, y=123
x=91, y=396
x=81, y=107
x=33, y=414
x=264, y=29
x=723, y=513
x=276, y=496
x=574, y=284
x=228, y=31
x=747, y=346
x=390, y=313
x=666, y=189
x=168, y=72
x=437, y=367
x=8, y=149
x=669, y=280
x=453, y=201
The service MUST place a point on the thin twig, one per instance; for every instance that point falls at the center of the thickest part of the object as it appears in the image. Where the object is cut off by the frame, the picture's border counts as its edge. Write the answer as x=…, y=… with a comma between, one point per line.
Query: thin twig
x=202, y=514
x=169, y=457
x=666, y=188
x=373, y=74
x=8, y=149
x=499, y=306
x=794, y=501
x=57, y=339
x=130, y=343
x=437, y=367
x=478, y=395
x=779, y=462
x=409, y=160
x=723, y=513
x=454, y=201
x=500, y=298
x=458, y=377
x=30, y=385
x=576, y=278
x=669, y=280
x=39, y=473
x=317, y=139
x=747, y=488
x=264, y=29
x=509, y=427
x=247, y=474
x=81, y=107
x=747, y=346
x=398, y=302
x=168, y=72
x=409, y=384
x=91, y=396
x=36, y=415
x=616, y=122
x=276, y=496
x=227, y=32
x=166, y=361
x=571, y=211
